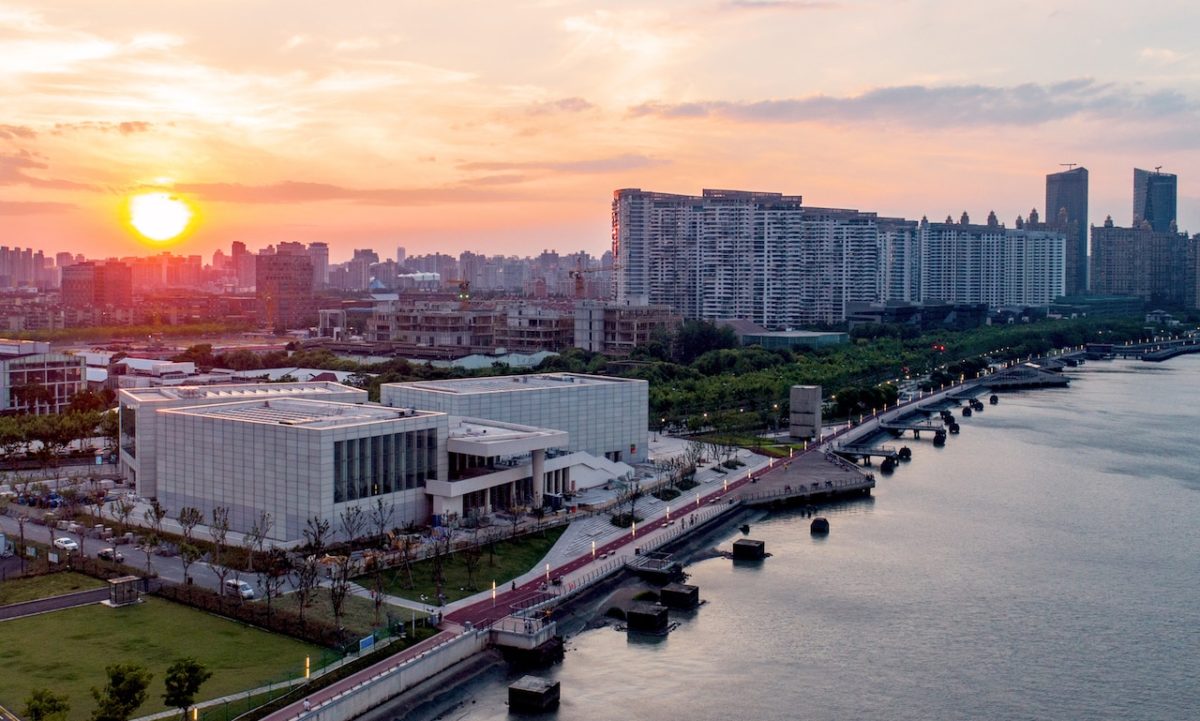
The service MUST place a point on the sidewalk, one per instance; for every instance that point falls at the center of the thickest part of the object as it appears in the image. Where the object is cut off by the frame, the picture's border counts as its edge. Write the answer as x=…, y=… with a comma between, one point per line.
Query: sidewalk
x=613, y=545
x=54, y=603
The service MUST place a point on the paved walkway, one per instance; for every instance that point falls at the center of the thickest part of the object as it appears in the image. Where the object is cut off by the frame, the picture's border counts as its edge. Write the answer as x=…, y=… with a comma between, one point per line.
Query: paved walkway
x=322, y=696
x=54, y=603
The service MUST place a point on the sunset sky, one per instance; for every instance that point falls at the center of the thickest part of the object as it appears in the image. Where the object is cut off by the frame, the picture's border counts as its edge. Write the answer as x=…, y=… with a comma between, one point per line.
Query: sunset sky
x=504, y=127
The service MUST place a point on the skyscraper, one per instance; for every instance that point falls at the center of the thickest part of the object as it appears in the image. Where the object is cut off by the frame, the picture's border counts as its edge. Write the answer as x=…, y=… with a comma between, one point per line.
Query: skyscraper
x=1067, y=212
x=1154, y=196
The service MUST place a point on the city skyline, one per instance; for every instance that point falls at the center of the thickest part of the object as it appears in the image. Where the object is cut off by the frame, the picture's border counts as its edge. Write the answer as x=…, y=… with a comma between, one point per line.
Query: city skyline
x=411, y=125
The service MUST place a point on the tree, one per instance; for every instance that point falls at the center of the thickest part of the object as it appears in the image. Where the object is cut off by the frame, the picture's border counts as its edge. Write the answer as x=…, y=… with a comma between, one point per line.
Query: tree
x=122, y=511
x=188, y=554
x=256, y=537
x=472, y=555
x=153, y=516
x=627, y=496
x=514, y=519
x=381, y=518
x=45, y=705
x=307, y=565
x=183, y=681
x=219, y=530
x=189, y=517
x=352, y=521
x=339, y=586
x=441, y=552
x=277, y=570
x=21, y=521
x=124, y=693
x=406, y=546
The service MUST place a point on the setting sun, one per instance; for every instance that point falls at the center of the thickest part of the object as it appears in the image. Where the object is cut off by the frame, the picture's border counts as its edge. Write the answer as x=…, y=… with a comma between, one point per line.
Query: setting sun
x=159, y=216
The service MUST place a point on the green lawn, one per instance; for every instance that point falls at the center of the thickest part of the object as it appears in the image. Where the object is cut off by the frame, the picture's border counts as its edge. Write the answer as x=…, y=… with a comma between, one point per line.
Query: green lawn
x=358, y=613
x=68, y=650
x=512, y=558
x=18, y=590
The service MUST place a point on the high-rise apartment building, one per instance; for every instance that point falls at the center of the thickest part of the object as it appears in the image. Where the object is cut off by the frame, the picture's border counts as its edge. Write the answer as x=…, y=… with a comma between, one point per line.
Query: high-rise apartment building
x=1157, y=266
x=284, y=286
x=899, y=260
x=764, y=257
x=1067, y=211
x=1154, y=196
x=966, y=263
x=244, y=264
x=319, y=254
x=97, y=285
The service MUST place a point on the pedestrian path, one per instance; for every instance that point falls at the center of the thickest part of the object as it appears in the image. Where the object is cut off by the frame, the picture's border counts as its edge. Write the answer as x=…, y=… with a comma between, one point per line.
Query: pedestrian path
x=54, y=603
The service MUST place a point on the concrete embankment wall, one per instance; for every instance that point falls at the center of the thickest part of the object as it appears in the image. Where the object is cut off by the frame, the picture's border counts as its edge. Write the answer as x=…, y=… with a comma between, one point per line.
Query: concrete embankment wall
x=379, y=689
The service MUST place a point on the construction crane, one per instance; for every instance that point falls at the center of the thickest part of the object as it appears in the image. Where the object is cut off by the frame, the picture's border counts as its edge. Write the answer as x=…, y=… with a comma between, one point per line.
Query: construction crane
x=464, y=292
x=577, y=275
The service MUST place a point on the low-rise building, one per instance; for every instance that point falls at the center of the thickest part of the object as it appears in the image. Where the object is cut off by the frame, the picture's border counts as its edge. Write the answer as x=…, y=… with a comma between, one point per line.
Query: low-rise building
x=603, y=416
x=33, y=379
x=615, y=329
x=297, y=459
x=139, y=440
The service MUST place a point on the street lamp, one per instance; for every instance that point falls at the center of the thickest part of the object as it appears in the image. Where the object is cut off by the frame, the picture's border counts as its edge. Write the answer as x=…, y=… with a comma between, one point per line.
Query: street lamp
x=593, y=550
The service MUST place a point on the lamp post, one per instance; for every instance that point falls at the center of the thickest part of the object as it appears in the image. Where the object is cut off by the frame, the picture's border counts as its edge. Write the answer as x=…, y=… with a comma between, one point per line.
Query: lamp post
x=493, y=593
x=593, y=550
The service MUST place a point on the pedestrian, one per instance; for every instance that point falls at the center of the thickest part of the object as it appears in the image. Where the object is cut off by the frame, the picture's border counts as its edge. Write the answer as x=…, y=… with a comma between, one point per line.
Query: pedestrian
x=307, y=706
x=514, y=586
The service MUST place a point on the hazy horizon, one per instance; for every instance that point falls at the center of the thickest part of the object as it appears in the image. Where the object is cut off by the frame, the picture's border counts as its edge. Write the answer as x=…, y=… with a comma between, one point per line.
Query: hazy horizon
x=504, y=129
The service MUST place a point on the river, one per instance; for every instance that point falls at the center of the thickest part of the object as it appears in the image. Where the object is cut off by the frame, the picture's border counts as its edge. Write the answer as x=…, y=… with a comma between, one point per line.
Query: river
x=1042, y=565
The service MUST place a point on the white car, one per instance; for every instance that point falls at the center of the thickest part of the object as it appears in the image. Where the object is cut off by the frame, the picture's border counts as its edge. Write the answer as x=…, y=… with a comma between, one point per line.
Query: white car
x=66, y=544
x=235, y=587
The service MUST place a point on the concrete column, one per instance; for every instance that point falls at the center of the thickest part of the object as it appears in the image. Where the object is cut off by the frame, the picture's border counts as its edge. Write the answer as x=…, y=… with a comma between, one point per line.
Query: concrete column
x=487, y=500
x=539, y=476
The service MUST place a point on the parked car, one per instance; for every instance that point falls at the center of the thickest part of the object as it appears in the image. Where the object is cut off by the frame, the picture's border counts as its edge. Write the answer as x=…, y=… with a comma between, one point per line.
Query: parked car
x=66, y=544
x=239, y=588
x=111, y=554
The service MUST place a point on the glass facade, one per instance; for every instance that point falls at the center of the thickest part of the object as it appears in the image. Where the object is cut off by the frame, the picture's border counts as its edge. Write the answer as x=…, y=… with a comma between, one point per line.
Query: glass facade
x=365, y=467
x=128, y=418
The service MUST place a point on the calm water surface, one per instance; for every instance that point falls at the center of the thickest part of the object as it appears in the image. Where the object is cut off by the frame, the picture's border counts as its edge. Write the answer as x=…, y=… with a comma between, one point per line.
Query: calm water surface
x=1043, y=565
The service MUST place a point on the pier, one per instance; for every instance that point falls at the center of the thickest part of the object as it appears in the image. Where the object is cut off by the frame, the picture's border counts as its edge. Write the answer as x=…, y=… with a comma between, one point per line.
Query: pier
x=1025, y=376
x=853, y=451
x=897, y=426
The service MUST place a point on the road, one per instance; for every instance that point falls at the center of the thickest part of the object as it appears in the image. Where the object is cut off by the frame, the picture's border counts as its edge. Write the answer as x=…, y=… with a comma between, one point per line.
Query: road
x=167, y=568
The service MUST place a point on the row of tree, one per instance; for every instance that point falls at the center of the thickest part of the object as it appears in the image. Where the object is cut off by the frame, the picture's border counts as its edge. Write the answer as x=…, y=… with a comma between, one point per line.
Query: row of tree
x=47, y=438
x=124, y=693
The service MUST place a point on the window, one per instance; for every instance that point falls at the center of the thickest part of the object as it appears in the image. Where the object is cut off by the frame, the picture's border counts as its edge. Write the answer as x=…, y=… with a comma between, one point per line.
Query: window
x=365, y=467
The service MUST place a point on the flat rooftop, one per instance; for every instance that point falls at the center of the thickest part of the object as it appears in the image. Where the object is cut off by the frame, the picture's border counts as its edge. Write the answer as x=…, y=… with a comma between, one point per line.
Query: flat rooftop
x=494, y=432
x=235, y=391
x=299, y=412
x=507, y=384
